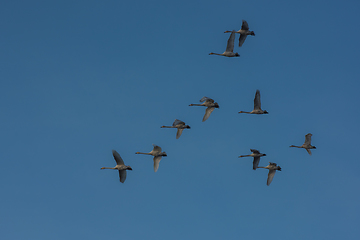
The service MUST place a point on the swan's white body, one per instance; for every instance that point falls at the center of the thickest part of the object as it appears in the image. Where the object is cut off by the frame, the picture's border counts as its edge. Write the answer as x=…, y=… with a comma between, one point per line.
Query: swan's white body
x=307, y=144
x=156, y=152
x=229, y=52
x=256, y=155
x=119, y=166
x=209, y=103
x=257, y=105
x=180, y=125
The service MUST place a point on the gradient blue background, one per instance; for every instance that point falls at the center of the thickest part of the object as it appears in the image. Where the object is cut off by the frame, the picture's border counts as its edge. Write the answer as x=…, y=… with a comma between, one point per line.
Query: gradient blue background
x=80, y=78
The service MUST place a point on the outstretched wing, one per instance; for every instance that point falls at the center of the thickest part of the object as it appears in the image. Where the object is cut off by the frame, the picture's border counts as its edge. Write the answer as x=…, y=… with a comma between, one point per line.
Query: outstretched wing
x=179, y=132
x=308, y=150
x=244, y=25
x=156, y=163
x=256, y=162
x=206, y=99
x=230, y=43
x=270, y=176
x=208, y=111
x=156, y=148
x=255, y=151
x=178, y=122
x=117, y=158
x=257, y=102
x=308, y=138
x=242, y=39
x=122, y=175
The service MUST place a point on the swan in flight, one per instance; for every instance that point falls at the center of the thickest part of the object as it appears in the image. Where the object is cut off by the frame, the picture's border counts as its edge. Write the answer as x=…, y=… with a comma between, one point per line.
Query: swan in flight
x=307, y=144
x=119, y=166
x=256, y=154
x=244, y=32
x=156, y=152
x=180, y=125
x=229, y=52
x=257, y=105
x=272, y=169
x=210, y=104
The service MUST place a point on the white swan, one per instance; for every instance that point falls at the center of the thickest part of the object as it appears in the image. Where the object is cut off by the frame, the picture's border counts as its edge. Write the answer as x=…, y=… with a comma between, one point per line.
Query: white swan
x=180, y=125
x=210, y=104
x=156, y=152
x=256, y=154
x=257, y=105
x=307, y=144
x=229, y=52
x=272, y=169
x=244, y=32
x=119, y=166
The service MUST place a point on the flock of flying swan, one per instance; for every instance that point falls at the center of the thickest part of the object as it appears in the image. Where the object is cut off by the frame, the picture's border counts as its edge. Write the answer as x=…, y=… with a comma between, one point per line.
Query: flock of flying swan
x=211, y=105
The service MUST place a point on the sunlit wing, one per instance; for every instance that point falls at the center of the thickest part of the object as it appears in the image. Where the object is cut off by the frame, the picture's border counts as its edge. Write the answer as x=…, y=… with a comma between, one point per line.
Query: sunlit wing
x=242, y=39
x=156, y=148
x=257, y=102
x=179, y=132
x=117, y=158
x=122, y=175
x=208, y=111
x=270, y=176
x=308, y=150
x=156, y=163
x=230, y=43
x=308, y=138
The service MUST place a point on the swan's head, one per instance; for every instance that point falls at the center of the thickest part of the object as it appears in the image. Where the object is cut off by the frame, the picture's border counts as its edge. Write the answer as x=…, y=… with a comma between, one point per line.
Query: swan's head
x=252, y=33
x=211, y=53
x=227, y=31
x=216, y=105
x=137, y=153
x=102, y=168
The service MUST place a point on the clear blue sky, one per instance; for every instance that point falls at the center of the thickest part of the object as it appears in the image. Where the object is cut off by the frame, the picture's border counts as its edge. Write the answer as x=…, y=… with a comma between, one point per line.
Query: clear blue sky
x=80, y=78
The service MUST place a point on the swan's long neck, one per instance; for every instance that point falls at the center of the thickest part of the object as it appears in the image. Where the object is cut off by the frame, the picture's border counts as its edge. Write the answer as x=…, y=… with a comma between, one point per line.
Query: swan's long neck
x=143, y=153
x=107, y=168
x=168, y=127
x=244, y=112
x=296, y=146
x=245, y=156
x=195, y=104
x=215, y=54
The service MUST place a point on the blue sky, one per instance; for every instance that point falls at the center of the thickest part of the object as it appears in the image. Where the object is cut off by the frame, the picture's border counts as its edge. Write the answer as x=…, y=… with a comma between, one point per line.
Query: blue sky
x=80, y=78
